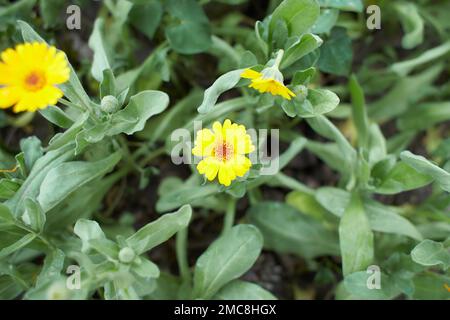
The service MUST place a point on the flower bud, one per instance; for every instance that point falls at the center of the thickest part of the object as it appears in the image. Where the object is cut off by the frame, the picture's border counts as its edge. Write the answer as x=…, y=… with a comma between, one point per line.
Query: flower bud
x=126, y=255
x=301, y=92
x=109, y=104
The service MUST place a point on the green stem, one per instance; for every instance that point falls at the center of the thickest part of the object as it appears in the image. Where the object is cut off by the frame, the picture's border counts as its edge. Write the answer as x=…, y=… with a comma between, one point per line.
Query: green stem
x=278, y=59
x=230, y=214
x=181, y=252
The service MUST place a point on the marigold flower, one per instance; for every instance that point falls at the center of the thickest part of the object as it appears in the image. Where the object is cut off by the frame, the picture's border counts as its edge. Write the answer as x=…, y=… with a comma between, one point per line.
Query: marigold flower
x=29, y=75
x=269, y=80
x=223, y=150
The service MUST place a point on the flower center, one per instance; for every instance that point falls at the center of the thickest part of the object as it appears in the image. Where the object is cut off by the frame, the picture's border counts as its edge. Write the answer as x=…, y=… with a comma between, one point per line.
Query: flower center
x=223, y=151
x=35, y=81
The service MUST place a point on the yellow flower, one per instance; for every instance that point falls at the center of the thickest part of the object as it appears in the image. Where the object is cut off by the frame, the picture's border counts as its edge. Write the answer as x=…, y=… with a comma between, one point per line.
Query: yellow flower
x=223, y=150
x=266, y=81
x=270, y=79
x=29, y=75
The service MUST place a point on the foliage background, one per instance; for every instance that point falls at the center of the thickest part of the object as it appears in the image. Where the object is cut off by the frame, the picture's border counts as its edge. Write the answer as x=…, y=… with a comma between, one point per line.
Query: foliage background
x=394, y=93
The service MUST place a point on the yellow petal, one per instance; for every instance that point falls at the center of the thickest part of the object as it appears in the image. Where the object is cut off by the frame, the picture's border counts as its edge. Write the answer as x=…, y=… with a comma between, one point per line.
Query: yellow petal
x=204, y=143
x=226, y=174
x=250, y=74
x=9, y=96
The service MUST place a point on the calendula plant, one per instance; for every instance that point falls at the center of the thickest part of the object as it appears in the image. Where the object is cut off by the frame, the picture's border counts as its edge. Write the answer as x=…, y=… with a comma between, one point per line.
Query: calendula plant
x=299, y=144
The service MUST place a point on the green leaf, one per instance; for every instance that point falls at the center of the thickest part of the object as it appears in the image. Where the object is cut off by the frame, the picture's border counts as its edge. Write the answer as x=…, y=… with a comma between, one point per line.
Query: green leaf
x=192, y=33
x=381, y=218
x=412, y=24
x=108, y=85
x=15, y=10
x=9, y=288
x=305, y=45
x=400, y=178
x=431, y=286
x=8, y=188
x=51, y=11
x=155, y=233
x=224, y=83
x=226, y=259
x=34, y=216
x=326, y=128
x=100, y=62
x=88, y=230
x=356, y=285
x=146, y=16
x=406, y=92
x=424, y=115
x=74, y=174
x=32, y=150
x=30, y=188
x=56, y=116
x=145, y=268
x=287, y=230
x=5, y=214
x=53, y=266
x=185, y=195
x=327, y=20
x=242, y=290
x=25, y=240
x=345, y=5
x=336, y=54
x=424, y=166
x=322, y=101
x=405, y=67
x=299, y=15
x=431, y=253
x=355, y=238
x=359, y=114
x=106, y=247
x=141, y=107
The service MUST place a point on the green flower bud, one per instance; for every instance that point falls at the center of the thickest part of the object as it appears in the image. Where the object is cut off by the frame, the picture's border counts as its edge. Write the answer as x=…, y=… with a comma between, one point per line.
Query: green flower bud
x=109, y=104
x=126, y=255
x=301, y=92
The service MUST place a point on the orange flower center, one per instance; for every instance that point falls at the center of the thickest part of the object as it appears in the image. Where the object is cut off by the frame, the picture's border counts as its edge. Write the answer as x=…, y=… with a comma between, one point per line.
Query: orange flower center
x=223, y=151
x=35, y=81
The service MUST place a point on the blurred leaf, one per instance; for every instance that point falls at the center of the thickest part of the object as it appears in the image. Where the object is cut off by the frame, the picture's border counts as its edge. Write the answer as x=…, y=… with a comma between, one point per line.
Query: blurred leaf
x=299, y=15
x=242, y=290
x=345, y=5
x=355, y=238
x=226, y=259
x=146, y=16
x=381, y=218
x=431, y=253
x=287, y=230
x=424, y=166
x=412, y=24
x=425, y=115
x=192, y=33
x=405, y=67
x=336, y=54
x=356, y=284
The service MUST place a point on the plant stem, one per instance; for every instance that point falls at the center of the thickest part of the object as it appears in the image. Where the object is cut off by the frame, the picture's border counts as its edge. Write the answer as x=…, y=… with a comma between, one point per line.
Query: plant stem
x=278, y=59
x=181, y=252
x=230, y=214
